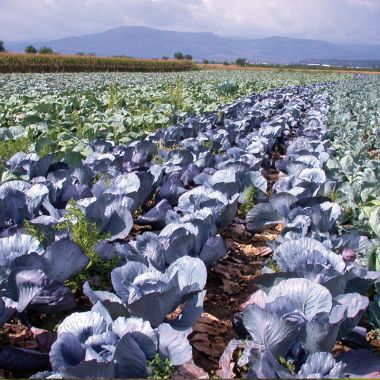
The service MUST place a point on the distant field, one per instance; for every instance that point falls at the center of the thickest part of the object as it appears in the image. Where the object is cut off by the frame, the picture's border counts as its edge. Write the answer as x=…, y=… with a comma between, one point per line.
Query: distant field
x=64, y=112
x=55, y=63
x=33, y=63
x=142, y=100
x=219, y=66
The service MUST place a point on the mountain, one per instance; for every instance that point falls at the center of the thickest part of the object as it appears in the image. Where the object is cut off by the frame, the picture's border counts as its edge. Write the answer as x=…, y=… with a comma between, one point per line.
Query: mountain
x=136, y=41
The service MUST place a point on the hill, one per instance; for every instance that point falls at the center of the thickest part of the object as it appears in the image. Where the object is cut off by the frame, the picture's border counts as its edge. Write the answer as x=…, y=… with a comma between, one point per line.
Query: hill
x=152, y=43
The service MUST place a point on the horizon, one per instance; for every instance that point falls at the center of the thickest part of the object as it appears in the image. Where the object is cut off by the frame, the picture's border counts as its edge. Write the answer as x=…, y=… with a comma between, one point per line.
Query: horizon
x=338, y=21
x=39, y=40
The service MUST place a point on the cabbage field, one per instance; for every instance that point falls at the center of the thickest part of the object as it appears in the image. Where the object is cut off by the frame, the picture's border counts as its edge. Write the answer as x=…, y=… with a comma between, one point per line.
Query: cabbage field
x=201, y=224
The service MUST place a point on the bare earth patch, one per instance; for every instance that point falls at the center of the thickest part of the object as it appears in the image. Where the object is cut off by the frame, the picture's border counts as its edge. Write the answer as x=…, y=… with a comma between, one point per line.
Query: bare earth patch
x=229, y=284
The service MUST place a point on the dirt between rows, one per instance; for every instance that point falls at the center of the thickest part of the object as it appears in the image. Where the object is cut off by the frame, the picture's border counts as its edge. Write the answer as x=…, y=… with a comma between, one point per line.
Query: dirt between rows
x=217, y=66
x=229, y=285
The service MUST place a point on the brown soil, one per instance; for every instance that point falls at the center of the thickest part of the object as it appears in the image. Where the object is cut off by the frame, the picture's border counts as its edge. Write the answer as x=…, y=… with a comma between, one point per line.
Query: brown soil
x=272, y=177
x=16, y=334
x=229, y=285
x=373, y=154
x=35, y=332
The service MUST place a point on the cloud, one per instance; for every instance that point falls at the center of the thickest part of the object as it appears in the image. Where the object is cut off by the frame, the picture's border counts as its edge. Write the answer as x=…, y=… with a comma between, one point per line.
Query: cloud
x=355, y=21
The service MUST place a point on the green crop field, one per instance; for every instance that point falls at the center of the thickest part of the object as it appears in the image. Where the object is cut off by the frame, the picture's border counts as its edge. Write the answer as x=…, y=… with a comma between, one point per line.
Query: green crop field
x=54, y=63
x=211, y=222
x=64, y=112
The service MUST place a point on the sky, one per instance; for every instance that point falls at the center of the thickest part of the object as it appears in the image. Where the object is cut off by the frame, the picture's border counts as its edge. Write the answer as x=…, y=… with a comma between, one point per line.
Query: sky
x=343, y=21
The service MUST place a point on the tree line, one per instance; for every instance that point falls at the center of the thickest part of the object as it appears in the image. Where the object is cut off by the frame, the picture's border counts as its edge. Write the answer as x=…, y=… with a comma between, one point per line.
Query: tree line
x=30, y=49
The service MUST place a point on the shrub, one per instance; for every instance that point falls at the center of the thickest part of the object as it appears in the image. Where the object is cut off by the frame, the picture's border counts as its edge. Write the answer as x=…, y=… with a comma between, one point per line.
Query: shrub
x=178, y=55
x=241, y=62
x=46, y=50
x=30, y=50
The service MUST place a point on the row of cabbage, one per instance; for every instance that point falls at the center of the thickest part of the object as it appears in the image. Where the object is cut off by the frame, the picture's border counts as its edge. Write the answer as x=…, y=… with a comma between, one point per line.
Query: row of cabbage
x=313, y=293
x=207, y=163
x=354, y=123
x=65, y=112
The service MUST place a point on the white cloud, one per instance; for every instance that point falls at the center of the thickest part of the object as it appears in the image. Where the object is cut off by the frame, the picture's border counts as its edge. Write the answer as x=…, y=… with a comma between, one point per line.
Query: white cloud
x=334, y=20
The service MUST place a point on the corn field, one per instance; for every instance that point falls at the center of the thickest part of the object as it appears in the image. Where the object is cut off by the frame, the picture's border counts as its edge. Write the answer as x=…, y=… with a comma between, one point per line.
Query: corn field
x=50, y=63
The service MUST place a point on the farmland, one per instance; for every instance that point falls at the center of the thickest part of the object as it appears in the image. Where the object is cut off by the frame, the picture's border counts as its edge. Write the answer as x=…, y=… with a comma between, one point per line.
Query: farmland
x=205, y=223
x=64, y=112
x=53, y=63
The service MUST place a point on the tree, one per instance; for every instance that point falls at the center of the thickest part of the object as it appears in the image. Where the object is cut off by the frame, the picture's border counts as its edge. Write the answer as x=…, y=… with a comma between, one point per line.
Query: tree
x=206, y=62
x=46, y=50
x=225, y=63
x=30, y=50
x=2, y=48
x=188, y=57
x=241, y=62
x=178, y=55
x=165, y=57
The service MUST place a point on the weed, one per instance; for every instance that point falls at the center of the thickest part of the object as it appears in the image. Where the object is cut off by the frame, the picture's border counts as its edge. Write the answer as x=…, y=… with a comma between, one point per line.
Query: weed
x=87, y=235
x=46, y=149
x=161, y=368
x=273, y=265
x=105, y=176
x=208, y=144
x=158, y=159
x=10, y=147
x=102, y=269
x=113, y=96
x=78, y=123
x=333, y=195
x=32, y=230
x=289, y=364
x=250, y=200
x=176, y=97
x=241, y=371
